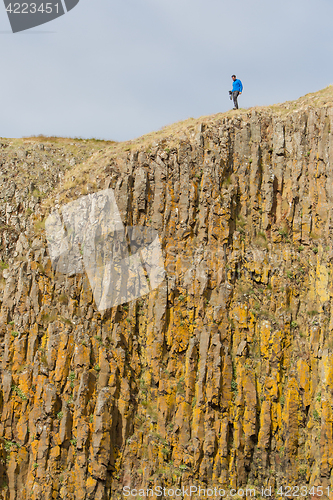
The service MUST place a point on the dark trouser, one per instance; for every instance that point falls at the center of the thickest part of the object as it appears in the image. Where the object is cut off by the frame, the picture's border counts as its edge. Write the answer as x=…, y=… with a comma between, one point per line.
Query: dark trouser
x=234, y=96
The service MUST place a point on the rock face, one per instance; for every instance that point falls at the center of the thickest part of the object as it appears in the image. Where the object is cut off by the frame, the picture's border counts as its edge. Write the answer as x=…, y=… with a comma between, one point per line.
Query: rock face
x=223, y=375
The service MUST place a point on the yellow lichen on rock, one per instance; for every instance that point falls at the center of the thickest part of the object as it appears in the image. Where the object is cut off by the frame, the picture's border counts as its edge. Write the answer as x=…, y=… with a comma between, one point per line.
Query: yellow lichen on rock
x=220, y=376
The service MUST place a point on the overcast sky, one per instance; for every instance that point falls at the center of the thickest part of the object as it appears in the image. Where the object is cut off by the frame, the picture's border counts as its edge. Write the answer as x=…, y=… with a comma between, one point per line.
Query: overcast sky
x=117, y=69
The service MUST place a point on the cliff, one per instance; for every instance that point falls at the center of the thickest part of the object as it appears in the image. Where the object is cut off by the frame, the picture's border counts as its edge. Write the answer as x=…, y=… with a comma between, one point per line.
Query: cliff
x=223, y=374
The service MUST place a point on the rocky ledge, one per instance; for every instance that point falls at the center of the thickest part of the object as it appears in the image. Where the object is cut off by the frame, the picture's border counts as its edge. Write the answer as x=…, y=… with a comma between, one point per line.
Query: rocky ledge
x=221, y=376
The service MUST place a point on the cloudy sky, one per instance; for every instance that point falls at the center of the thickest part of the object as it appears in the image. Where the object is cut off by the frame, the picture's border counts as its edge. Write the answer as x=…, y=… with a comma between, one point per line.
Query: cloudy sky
x=117, y=69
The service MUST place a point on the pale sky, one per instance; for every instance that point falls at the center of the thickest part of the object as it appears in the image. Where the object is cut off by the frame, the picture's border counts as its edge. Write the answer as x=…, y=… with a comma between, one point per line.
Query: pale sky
x=117, y=69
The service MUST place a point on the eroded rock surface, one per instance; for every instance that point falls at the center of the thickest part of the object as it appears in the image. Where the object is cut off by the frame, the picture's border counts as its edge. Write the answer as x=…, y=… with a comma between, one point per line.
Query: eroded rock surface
x=221, y=376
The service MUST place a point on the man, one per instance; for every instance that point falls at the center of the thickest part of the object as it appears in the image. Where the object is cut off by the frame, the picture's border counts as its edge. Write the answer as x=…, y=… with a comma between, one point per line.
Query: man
x=237, y=89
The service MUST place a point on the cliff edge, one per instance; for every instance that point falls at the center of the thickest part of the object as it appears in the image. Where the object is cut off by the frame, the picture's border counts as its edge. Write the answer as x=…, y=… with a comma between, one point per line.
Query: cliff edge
x=222, y=375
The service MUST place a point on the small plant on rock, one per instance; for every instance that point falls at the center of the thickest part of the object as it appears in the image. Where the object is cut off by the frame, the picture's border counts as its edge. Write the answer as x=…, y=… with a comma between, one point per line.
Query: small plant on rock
x=19, y=392
x=316, y=415
x=71, y=378
x=234, y=386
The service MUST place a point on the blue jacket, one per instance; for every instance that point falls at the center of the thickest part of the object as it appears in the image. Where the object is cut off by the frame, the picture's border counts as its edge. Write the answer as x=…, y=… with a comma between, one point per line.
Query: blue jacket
x=237, y=85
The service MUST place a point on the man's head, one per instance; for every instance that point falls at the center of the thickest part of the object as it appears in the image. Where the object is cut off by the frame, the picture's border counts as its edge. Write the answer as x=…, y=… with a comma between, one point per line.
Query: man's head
x=234, y=77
